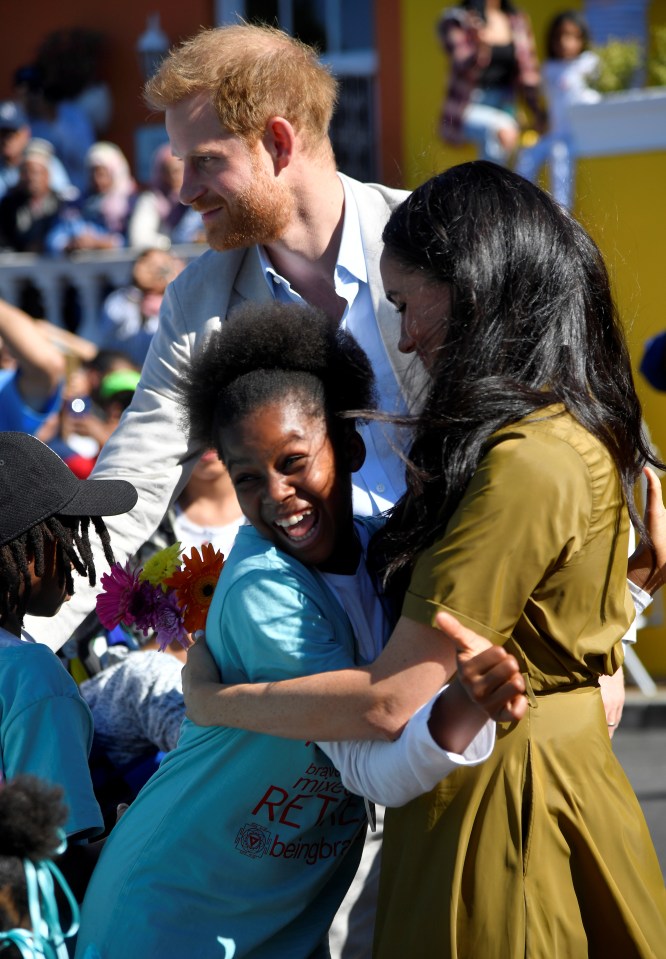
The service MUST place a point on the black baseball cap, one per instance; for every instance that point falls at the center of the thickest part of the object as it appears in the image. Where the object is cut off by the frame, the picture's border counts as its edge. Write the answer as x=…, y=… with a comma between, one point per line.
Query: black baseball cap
x=35, y=484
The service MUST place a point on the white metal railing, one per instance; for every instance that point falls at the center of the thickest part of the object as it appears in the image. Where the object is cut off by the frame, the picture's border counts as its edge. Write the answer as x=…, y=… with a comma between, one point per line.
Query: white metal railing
x=89, y=273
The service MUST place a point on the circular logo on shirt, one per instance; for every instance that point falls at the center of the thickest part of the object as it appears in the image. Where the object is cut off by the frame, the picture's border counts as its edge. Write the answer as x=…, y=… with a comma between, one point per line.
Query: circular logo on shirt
x=253, y=840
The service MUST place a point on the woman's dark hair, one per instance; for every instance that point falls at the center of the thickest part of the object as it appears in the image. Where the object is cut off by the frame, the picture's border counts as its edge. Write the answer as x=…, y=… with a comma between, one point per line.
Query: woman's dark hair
x=32, y=813
x=567, y=16
x=479, y=7
x=71, y=536
x=267, y=351
x=532, y=322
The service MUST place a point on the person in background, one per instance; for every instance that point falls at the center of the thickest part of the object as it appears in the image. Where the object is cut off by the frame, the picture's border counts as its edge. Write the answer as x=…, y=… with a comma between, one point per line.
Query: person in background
x=48, y=89
x=100, y=223
x=493, y=63
x=653, y=361
x=32, y=374
x=30, y=210
x=206, y=511
x=71, y=62
x=14, y=138
x=86, y=426
x=159, y=218
x=32, y=815
x=15, y=135
x=45, y=727
x=566, y=75
x=130, y=314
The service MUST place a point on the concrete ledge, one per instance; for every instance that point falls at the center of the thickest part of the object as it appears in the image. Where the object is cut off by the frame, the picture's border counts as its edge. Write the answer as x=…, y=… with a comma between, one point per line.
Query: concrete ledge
x=630, y=122
x=644, y=712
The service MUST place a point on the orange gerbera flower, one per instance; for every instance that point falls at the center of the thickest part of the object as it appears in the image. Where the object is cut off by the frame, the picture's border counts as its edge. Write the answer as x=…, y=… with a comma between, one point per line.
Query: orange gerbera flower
x=194, y=584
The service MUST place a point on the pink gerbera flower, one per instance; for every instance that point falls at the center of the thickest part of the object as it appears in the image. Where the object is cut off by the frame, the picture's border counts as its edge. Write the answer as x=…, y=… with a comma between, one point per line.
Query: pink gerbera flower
x=119, y=587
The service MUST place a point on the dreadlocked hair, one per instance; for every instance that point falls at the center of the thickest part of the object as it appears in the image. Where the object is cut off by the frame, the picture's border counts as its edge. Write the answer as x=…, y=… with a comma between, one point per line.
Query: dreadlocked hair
x=71, y=535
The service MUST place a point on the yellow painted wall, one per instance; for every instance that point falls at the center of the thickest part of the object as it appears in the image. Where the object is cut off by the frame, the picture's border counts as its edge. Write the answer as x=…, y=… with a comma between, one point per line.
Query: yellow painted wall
x=622, y=203
x=621, y=200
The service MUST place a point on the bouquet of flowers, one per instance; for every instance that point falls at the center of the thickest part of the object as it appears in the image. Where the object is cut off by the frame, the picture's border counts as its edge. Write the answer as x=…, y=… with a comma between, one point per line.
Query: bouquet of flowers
x=168, y=596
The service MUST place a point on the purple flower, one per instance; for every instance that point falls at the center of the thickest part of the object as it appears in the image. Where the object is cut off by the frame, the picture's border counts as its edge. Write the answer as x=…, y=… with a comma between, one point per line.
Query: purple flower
x=144, y=605
x=168, y=622
x=119, y=587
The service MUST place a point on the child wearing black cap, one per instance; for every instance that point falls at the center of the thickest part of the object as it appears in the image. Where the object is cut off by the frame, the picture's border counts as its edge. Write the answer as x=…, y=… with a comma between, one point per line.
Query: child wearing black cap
x=45, y=512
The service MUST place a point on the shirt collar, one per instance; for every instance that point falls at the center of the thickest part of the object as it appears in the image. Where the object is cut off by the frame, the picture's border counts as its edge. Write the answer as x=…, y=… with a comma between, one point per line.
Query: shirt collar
x=351, y=258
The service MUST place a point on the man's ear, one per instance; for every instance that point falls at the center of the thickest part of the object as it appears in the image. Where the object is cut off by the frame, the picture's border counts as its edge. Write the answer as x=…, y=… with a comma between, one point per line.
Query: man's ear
x=279, y=140
x=354, y=451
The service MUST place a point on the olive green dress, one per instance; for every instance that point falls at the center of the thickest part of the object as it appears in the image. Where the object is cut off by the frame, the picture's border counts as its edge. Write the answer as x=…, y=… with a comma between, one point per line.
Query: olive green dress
x=542, y=851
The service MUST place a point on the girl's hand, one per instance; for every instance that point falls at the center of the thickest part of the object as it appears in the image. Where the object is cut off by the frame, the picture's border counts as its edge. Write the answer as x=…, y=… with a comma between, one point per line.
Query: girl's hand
x=490, y=676
x=201, y=680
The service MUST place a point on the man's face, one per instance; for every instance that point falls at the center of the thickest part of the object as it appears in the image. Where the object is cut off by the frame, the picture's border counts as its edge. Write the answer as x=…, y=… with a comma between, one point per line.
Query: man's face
x=231, y=184
x=12, y=144
x=35, y=177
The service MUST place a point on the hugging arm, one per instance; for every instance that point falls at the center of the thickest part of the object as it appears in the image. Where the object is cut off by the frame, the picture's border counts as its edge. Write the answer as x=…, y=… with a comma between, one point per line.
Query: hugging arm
x=370, y=702
x=647, y=565
x=450, y=730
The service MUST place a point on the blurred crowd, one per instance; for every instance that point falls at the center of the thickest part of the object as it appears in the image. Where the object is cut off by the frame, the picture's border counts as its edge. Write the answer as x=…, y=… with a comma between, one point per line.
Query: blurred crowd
x=63, y=187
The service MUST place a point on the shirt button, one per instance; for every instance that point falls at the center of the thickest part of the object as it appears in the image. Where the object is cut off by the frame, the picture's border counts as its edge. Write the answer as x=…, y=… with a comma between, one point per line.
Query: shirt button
x=380, y=487
x=277, y=280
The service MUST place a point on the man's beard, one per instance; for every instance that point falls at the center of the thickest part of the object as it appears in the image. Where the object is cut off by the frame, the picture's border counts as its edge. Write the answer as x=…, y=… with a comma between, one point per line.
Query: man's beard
x=259, y=215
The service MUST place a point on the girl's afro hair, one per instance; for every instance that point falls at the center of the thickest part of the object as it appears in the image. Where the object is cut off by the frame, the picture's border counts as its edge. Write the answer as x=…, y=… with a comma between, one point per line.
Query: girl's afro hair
x=287, y=341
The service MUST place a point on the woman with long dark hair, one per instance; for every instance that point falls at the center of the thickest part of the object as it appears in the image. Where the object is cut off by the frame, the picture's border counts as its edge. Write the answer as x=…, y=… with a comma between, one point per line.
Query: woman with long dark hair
x=516, y=521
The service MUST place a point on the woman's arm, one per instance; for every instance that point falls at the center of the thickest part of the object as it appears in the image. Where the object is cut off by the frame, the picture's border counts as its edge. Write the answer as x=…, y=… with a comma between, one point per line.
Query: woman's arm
x=647, y=571
x=647, y=566
x=372, y=702
x=451, y=730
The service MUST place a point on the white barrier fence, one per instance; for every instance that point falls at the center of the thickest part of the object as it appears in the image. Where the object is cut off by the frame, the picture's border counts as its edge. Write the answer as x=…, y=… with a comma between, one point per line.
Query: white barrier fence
x=90, y=274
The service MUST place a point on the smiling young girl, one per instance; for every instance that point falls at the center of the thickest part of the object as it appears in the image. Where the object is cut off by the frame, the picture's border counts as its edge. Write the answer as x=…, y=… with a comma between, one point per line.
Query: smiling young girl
x=244, y=844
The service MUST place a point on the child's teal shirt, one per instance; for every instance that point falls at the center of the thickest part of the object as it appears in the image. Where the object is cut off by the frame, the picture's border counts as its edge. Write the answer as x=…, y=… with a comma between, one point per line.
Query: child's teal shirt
x=240, y=841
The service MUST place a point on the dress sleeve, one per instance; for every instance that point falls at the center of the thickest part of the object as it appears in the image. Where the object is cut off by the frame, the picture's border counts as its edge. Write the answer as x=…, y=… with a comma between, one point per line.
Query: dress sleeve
x=526, y=511
x=394, y=773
